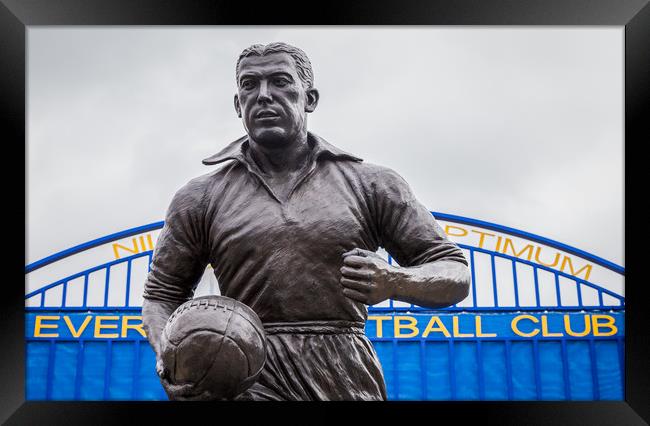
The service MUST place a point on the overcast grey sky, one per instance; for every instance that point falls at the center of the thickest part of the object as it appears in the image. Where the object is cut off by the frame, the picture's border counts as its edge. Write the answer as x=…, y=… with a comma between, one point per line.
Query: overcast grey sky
x=518, y=126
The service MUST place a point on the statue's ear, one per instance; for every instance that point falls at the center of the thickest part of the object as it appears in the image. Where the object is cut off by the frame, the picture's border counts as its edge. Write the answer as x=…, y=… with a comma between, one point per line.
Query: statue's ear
x=312, y=99
x=237, y=106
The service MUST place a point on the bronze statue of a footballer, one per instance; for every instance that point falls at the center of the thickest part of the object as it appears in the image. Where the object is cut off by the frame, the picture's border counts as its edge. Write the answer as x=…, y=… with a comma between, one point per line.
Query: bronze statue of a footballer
x=291, y=224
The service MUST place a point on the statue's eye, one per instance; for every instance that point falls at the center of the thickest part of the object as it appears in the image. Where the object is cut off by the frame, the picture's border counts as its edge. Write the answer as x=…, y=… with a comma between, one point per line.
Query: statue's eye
x=247, y=84
x=280, y=81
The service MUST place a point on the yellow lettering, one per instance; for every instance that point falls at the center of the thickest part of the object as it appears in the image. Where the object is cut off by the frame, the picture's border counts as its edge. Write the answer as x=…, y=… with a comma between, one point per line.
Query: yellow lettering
x=482, y=238
x=545, y=331
x=498, y=247
x=38, y=325
x=609, y=323
x=380, y=320
x=567, y=261
x=398, y=326
x=456, y=328
x=567, y=326
x=508, y=243
x=449, y=233
x=135, y=249
x=515, y=328
x=99, y=326
x=126, y=326
x=150, y=242
x=554, y=264
x=479, y=331
x=435, y=321
x=82, y=327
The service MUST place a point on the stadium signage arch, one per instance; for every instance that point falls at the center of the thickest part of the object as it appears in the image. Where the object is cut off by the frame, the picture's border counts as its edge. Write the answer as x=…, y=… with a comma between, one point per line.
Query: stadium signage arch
x=534, y=305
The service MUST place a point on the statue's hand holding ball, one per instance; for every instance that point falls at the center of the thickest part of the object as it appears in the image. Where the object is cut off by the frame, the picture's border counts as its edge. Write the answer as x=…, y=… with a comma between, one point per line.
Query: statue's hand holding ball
x=212, y=348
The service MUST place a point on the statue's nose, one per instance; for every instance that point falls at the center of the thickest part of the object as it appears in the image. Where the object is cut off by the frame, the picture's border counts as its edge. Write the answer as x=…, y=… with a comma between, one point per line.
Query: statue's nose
x=264, y=94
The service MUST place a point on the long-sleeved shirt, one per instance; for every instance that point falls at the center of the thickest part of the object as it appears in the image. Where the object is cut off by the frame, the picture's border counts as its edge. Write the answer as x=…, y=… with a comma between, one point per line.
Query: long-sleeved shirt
x=283, y=259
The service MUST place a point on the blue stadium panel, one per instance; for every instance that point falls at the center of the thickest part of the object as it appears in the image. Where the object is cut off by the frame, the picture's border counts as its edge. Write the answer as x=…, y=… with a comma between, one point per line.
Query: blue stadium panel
x=435, y=367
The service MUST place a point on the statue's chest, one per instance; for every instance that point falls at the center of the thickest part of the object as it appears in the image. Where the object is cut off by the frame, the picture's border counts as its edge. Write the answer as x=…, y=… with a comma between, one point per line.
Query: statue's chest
x=315, y=214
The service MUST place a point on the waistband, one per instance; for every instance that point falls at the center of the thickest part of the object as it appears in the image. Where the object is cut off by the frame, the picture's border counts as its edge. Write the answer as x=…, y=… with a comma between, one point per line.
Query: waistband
x=315, y=327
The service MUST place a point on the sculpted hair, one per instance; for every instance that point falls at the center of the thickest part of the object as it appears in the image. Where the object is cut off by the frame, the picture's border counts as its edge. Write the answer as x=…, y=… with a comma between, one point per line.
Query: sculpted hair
x=303, y=66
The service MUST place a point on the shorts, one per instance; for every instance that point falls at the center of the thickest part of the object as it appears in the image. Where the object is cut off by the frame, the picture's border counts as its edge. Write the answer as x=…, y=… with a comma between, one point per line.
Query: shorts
x=318, y=361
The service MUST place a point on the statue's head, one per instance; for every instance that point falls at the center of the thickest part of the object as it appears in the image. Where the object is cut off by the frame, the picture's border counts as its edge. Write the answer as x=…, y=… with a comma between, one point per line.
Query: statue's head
x=275, y=91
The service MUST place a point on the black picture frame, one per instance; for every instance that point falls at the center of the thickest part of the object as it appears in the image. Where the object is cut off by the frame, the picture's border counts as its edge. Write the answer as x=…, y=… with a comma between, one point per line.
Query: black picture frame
x=17, y=15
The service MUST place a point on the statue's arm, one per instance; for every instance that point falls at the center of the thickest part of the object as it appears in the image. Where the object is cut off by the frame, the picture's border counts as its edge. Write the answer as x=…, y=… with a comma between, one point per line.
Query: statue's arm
x=368, y=278
x=178, y=262
x=433, y=285
x=432, y=270
x=155, y=314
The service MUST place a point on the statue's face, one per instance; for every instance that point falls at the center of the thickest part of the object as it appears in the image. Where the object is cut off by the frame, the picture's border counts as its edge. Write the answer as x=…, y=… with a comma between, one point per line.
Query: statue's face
x=271, y=99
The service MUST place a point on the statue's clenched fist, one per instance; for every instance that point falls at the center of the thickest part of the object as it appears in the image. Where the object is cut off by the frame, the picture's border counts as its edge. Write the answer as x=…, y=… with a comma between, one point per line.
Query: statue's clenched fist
x=366, y=277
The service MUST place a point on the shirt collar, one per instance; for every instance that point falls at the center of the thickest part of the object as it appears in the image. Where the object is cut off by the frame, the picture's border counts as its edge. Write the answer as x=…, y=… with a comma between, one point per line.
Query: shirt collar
x=321, y=148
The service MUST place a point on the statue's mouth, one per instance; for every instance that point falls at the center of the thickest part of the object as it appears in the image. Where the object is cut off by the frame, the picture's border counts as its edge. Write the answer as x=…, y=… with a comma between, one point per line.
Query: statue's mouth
x=267, y=114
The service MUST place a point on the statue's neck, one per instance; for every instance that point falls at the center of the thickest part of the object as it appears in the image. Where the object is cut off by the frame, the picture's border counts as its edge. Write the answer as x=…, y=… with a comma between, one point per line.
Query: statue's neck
x=278, y=160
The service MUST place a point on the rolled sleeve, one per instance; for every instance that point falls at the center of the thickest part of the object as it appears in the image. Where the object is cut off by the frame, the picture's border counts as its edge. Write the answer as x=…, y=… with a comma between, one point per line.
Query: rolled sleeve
x=407, y=230
x=179, y=258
